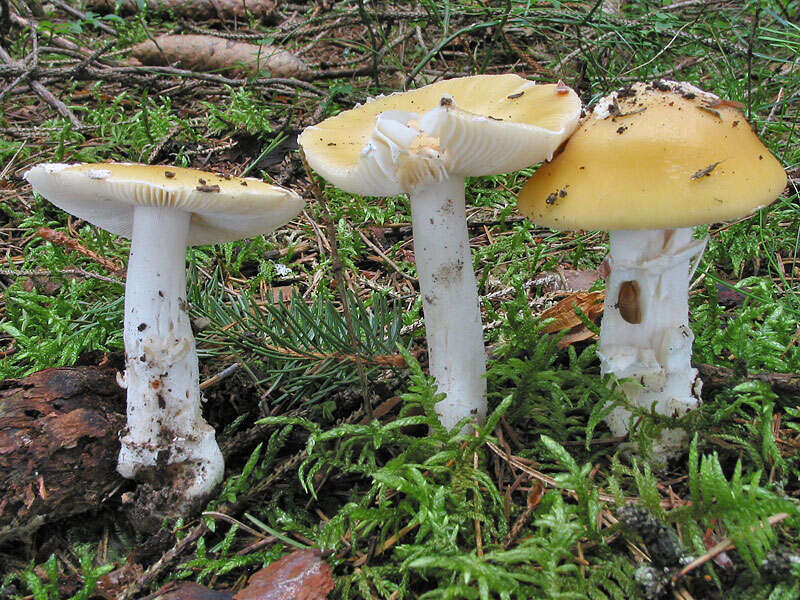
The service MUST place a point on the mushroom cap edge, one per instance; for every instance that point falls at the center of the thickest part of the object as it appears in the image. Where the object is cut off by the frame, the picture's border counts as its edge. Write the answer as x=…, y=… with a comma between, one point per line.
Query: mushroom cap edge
x=222, y=208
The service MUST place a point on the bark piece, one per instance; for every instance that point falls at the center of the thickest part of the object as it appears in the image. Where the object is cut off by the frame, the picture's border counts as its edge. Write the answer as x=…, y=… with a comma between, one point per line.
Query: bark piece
x=717, y=378
x=111, y=585
x=301, y=575
x=58, y=445
x=210, y=53
x=197, y=10
x=191, y=591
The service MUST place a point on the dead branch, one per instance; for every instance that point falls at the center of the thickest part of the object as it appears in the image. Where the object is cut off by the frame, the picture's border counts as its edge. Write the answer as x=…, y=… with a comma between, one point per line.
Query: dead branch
x=382, y=360
x=52, y=39
x=77, y=272
x=26, y=74
x=341, y=284
x=150, y=77
x=72, y=11
x=716, y=378
x=196, y=10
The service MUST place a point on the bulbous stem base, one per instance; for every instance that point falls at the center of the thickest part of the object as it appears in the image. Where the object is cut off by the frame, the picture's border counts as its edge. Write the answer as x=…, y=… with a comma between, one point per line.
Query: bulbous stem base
x=165, y=425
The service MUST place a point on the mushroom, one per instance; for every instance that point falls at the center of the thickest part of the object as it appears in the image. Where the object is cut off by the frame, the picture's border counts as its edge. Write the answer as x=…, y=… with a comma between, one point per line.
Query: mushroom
x=649, y=163
x=424, y=143
x=162, y=210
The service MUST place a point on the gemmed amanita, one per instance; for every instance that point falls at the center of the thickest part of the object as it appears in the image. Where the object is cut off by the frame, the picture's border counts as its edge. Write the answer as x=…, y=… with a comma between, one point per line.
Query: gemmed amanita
x=163, y=210
x=649, y=163
x=424, y=143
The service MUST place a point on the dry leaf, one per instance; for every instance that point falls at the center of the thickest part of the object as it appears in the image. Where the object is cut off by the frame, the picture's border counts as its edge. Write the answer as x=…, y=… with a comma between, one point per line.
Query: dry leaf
x=301, y=575
x=580, y=334
x=566, y=280
x=210, y=53
x=283, y=293
x=576, y=280
x=591, y=303
x=728, y=296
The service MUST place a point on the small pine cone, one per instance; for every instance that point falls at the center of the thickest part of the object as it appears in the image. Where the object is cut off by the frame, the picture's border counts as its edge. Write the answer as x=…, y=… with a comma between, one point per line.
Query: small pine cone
x=779, y=563
x=654, y=582
x=665, y=548
x=641, y=521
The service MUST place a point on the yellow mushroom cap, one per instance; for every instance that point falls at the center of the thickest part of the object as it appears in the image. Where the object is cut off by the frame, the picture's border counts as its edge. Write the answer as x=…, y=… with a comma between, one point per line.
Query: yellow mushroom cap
x=479, y=125
x=655, y=156
x=222, y=208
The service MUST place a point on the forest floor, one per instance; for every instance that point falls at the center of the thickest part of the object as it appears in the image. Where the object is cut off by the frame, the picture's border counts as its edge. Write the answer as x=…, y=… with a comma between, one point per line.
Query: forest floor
x=532, y=506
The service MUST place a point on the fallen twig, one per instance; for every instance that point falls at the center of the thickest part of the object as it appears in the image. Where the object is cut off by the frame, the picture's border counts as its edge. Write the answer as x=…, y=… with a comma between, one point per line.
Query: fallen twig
x=721, y=547
x=519, y=463
x=224, y=374
x=388, y=260
x=52, y=39
x=77, y=272
x=383, y=360
x=71, y=10
x=26, y=74
x=155, y=570
x=148, y=76
x=73, y=245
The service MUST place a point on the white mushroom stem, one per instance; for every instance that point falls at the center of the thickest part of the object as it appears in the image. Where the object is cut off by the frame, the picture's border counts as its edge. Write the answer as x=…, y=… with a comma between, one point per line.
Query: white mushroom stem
x=645, y=335
x=447, y=284
x=165, y=425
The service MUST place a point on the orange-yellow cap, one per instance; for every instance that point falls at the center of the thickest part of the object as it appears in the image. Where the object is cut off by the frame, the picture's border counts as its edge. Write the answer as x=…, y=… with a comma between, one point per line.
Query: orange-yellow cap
x=655, y=156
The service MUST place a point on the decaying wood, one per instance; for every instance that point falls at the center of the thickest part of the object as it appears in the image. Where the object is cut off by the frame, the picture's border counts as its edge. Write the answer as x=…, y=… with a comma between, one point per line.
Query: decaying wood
x=58, y=445
x=301, y=575
x=197, y=10
x=210, y=53
x=715, y=378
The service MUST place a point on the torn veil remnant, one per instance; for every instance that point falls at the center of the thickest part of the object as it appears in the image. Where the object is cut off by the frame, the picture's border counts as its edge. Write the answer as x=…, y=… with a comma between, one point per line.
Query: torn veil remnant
x=676, y=165
x=424, y=143
x=162, y=210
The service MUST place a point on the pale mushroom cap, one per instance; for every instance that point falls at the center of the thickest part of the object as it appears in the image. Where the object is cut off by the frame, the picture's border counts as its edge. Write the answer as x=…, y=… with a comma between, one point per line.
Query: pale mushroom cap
x=673, y=156
x=494, y=124
x=222, y=208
